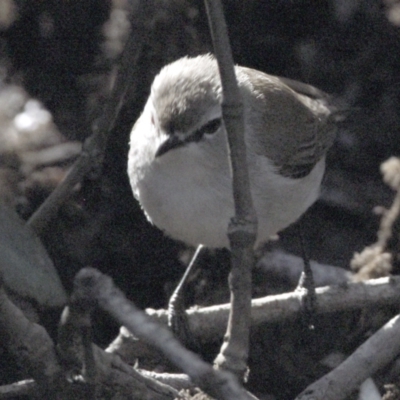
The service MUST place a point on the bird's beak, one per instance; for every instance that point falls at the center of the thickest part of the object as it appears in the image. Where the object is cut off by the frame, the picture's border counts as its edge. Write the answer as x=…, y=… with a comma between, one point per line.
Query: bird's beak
x=172, y=142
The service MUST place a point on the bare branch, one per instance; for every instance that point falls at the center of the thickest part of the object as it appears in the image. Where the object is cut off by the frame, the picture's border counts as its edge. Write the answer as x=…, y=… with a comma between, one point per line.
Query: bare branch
x=378, y=351
x=233, y=115
x=44, y=214
x=92, y=155
x=208, y=323
x=34, y=350
x=27, y=387
x=242, y=229
x=289, y=267
x=216, y=383
x=81, y=356
x=178, y=381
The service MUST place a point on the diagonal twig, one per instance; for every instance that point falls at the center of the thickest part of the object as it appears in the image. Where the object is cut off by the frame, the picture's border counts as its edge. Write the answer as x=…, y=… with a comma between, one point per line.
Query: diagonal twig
x=91, y=157
x=378, y=351
x=220, y=384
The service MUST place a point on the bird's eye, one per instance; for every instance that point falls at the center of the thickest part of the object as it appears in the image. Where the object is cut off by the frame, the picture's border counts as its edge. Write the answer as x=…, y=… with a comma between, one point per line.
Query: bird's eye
x=210, y=127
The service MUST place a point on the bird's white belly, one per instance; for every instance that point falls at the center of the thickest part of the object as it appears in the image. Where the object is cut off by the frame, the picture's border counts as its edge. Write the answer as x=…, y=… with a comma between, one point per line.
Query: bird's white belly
x=181, y=200
x=196, y=208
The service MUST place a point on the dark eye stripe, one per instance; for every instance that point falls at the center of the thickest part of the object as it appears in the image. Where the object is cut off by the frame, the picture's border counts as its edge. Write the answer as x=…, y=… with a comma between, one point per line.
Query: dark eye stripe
x=210, y=127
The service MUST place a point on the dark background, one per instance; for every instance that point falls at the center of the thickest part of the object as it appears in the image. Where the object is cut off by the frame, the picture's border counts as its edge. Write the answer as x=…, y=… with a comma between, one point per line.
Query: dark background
x=64, y=54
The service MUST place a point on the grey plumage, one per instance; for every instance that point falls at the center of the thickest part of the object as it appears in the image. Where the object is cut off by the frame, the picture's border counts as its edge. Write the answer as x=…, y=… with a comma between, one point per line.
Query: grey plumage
x=295, y=117
x=178, y=159
x=296, y=121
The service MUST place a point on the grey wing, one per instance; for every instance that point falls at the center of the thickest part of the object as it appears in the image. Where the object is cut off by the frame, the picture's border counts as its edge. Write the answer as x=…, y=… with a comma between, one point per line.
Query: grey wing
x=296, y=121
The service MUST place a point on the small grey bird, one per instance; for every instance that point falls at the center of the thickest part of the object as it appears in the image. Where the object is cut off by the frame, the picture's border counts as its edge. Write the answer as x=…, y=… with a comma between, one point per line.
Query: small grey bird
x=178, y=160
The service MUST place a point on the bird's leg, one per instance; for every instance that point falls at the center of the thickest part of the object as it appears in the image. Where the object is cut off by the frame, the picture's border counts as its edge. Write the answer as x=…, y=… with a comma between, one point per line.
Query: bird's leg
x=177, y=319
x=306, y=283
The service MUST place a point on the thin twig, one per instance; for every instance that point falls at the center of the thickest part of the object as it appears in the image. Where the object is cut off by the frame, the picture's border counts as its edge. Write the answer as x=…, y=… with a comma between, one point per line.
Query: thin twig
x=45, y=213
x=14, y=390
x=98, y=368
x=92, y=154
x=233, y=115
x=219, y=384
x=243, y=227
x=75, y=346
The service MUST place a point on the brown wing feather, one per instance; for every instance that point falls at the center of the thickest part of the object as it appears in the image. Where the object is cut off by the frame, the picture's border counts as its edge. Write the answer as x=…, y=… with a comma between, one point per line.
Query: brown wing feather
x=295, y=118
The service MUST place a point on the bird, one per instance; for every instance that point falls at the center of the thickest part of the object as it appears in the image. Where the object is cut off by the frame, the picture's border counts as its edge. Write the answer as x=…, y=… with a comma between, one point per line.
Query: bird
x=178, y=161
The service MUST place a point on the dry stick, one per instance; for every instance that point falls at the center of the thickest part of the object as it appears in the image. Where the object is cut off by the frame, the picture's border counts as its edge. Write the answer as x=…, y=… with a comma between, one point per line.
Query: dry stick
x=14, y=390
x=177, y=381
x=219, y=384
x=75, y=346
x=100, y=370
x=45, y=213
x=92, y=154
x=378, y=351
x=289, y=267
x=243, y=227
x=363, y=363
x=208, y=323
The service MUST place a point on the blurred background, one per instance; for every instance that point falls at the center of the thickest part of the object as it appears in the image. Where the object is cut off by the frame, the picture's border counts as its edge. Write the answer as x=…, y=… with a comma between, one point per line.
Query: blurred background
x=58, y=60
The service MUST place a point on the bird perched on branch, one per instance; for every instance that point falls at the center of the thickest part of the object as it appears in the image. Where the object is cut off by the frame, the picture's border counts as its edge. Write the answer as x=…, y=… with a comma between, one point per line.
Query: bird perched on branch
x=178, y=160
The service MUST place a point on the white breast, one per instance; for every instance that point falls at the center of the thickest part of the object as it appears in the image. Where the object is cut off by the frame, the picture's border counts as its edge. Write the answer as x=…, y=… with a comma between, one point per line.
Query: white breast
x=187, y=192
